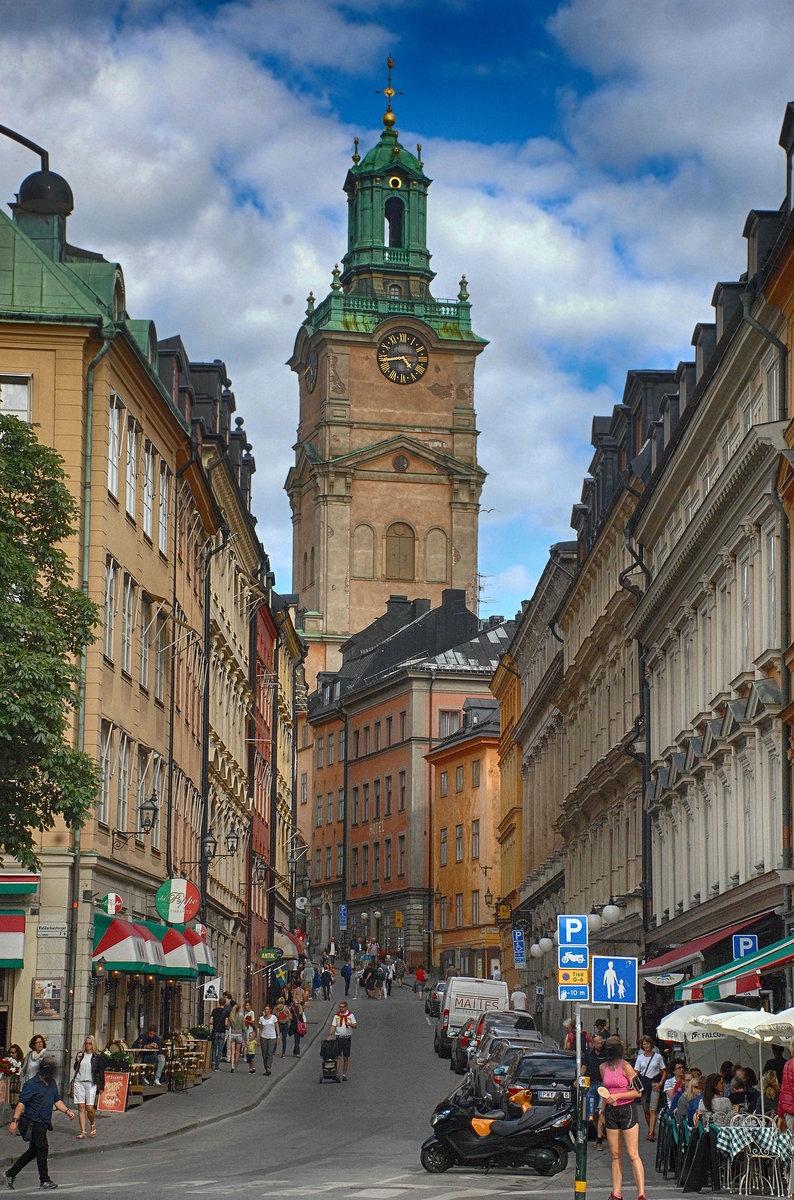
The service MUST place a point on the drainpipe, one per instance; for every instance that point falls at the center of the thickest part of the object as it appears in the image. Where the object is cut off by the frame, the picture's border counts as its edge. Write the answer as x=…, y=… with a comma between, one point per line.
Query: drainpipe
x=785, y=592
x=346, y=819
x=205, y=714
x=107, y=333
x=431, y=900
x=169, y=808
x=642, y=722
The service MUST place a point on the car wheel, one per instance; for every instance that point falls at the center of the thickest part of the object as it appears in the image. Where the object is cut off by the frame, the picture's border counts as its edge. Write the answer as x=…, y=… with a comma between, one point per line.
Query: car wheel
x=435, y=1158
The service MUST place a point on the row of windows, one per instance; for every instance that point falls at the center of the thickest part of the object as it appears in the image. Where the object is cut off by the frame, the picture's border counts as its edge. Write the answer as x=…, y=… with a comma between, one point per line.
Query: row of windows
x=368, y=802
x=443, y=781
x=128, y=772
x=360, y=861
x=123, y=593
x=443, y=911
x=475, y=843
x=379, y=736
x=141, y=461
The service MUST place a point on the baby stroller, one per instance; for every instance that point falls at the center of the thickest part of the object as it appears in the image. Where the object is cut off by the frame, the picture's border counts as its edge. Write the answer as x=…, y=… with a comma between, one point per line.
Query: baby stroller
x=328, y=1056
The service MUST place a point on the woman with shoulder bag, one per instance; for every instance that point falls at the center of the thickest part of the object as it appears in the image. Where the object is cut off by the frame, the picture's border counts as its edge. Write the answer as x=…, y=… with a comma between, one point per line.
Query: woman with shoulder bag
x=88, y=1080
x=650, y=1065
x=297, y=1025
x=34, y=1058
x=32, y=1119
x=619, y=1093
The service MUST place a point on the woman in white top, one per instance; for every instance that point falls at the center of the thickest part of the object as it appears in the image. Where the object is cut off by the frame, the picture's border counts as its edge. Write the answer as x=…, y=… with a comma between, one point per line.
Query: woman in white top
x=268, y=1036
x=86, y=1072
x=650, y=1064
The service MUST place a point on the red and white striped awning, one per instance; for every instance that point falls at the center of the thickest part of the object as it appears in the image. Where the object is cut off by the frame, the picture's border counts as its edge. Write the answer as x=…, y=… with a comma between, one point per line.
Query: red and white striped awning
x=119, y=943
x=153, y=948
x=12, y=938
x=202, y=952
x=179, y=957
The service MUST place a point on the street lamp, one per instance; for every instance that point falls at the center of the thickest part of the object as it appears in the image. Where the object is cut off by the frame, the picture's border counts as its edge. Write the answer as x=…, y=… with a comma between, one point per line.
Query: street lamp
x=147, y=816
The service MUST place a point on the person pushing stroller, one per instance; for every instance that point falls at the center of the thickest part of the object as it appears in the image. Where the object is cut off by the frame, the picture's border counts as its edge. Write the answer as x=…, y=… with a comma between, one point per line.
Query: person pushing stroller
x=342, y=1026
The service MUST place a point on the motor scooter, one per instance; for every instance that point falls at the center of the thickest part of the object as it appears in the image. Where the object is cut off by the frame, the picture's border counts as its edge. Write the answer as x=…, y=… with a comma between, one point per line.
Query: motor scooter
x=540, y=1138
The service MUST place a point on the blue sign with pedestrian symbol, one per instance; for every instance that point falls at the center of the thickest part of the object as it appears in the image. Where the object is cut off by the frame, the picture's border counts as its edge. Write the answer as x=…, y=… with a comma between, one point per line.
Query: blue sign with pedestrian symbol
x=744, y=944
x=343, y=916
x=614, y=980
x=519, y=949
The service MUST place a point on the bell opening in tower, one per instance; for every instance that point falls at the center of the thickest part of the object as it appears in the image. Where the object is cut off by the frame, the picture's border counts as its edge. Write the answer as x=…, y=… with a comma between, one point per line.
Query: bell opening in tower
x=395, y=215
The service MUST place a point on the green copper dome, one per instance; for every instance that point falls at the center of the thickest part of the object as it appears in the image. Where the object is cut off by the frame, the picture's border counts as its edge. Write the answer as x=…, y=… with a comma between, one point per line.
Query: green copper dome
x=389, y=155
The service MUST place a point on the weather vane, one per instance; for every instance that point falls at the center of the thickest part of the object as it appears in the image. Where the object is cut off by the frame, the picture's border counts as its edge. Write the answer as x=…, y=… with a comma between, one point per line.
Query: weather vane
x=388, y=117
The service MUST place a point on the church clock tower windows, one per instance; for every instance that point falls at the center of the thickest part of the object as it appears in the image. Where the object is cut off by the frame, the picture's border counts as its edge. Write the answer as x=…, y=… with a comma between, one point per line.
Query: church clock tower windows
x=385, y=483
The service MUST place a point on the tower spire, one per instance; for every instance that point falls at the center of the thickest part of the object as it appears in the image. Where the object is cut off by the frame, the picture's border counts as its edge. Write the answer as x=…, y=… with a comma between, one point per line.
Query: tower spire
x=389, y=116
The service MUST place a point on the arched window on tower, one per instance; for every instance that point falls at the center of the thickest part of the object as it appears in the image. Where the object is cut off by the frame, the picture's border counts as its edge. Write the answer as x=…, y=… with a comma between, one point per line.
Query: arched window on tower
x=400, y=551
x=395, y=291
x=305, y=570
x=311, y=566
x=395, y=214
x=364, y=552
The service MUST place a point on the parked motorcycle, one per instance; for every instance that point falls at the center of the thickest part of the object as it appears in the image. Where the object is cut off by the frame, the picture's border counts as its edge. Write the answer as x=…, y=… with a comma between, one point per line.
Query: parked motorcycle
x=540, y=1138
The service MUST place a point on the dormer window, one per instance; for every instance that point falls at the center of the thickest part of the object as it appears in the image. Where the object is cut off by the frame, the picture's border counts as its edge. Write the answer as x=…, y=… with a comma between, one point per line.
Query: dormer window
x=395, y=291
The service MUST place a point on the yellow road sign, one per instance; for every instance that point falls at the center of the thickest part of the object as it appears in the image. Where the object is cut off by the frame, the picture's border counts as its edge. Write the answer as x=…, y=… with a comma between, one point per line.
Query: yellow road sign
x=398, y=918
x=575, y=976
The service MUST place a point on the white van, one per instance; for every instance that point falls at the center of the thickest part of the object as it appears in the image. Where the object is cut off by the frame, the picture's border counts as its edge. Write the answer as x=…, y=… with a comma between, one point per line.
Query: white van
x=464, y=997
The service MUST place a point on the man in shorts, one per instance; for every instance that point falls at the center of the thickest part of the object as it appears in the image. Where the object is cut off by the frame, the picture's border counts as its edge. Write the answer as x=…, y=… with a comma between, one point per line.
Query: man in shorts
x=342, y=1028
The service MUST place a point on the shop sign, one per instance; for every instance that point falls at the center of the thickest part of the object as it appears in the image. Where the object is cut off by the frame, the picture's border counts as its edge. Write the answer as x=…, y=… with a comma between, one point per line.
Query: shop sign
x=112, y=903
x=201, y=930
x=664, y=980
x=114, y=1096
x=57, y=931
x=269, y=954
x=177, y=901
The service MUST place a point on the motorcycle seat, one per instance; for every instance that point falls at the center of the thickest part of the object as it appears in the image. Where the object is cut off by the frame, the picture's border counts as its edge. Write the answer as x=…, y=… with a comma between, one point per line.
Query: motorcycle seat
x=533, y=1116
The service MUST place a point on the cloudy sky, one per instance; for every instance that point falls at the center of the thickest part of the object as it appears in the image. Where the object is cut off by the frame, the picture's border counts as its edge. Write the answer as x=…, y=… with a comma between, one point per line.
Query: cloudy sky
x=593, y=164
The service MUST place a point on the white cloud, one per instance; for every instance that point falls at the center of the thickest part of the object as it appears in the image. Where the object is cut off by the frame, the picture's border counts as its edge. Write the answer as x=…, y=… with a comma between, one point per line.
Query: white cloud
x=215, y=179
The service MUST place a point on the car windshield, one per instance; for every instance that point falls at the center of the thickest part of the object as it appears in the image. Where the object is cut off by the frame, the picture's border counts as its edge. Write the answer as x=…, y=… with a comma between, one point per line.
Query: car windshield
x=545, y=1066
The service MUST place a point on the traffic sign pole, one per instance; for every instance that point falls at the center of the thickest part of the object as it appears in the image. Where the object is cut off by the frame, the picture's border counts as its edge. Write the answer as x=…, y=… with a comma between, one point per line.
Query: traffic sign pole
x=580, y=1182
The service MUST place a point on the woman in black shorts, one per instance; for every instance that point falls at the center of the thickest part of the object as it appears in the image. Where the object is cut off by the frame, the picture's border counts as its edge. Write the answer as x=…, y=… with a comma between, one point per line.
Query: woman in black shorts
x=620, y=1116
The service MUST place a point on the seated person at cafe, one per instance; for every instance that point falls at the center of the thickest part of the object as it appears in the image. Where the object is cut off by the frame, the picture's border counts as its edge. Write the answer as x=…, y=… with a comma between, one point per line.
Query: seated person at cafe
x=152, y=1047
x=742, y=1092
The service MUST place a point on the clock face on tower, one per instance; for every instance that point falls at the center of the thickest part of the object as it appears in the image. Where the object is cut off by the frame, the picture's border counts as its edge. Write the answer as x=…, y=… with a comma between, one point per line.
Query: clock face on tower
x=402, y=357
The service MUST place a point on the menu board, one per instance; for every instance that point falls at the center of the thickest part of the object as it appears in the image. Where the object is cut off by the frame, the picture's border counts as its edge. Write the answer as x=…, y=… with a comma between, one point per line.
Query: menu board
x=114, y=1096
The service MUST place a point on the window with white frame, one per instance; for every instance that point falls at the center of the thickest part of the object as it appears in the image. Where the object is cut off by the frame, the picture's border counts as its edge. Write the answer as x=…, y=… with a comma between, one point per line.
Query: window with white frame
x=442, y=783
x=475, y=773
x=329, y=851
x=159, y=658
x=340, y=804
x=318, y=863
x=165, y=502
x=442, y=913
x=744, y=625
x=401, y=855
x=448, y=722
x=123, y=781
x=319, y=811
x=376, y=862
x=401, y=791
x=105, y=768
x=111, y=587
x=330, y=749
x=158, y=787
x=143, y=659
x=475, y=908
x=329, y=809
x=133, y=437
x=365, y=864
x=115, y=413
x=387, y=796
x=320, y=751
x=340, y=857
x=475, y=839
x=148, y=488
x=304, y=787
x=458, y=843
x=15, y=396
x=127, y=624
x=771, y=392
x=458, y=779
x=771, y=589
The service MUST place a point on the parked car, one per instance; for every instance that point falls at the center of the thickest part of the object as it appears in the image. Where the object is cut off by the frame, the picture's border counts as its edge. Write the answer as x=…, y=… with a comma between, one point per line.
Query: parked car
x=504, y=1022
x=495, y=1053
x=466, y=996
x=549, y=1074
x=433, y=997
x=459, y=1055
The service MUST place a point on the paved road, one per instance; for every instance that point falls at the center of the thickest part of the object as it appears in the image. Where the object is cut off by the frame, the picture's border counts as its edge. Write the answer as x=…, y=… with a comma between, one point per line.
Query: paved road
x=358, y=1140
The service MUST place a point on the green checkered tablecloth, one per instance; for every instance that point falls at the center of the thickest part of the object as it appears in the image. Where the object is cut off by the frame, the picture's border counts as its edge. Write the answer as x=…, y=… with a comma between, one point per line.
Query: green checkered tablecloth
x=733, y=1139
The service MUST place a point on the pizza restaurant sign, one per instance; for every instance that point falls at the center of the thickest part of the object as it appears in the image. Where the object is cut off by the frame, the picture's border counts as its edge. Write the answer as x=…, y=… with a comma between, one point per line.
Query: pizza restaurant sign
x=664, y=980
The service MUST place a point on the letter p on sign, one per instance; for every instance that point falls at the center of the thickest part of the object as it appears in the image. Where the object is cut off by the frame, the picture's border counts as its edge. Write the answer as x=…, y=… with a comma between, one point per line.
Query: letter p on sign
x=744, y=944
x=572, y=930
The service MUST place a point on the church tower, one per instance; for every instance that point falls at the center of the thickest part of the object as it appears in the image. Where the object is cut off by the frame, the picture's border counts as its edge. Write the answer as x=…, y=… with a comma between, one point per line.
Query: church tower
x=385, y=488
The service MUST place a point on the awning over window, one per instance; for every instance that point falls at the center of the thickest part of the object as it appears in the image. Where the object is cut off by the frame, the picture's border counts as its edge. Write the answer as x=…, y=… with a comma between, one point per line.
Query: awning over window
x=290, y=946
x=153, y=948
x=692, y=951
x=179, y=957
x=740, y=977
x=202, y=951
x=12, y=938
x=15, y=882
x=120, y=944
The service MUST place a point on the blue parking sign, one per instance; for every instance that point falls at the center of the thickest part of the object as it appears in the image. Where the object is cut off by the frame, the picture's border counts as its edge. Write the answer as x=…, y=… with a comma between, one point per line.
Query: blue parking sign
x=519, y=949
x=343, y=916
x=614, y=979
x=744, y=944
x=571, y=930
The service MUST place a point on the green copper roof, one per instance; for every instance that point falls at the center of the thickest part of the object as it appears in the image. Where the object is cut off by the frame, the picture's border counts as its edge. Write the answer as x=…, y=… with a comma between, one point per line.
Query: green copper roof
x=33, y=285
x=387, y=155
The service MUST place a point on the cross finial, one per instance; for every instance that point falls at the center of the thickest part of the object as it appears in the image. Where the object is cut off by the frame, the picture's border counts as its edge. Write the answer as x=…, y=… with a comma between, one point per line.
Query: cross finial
x=388, y=117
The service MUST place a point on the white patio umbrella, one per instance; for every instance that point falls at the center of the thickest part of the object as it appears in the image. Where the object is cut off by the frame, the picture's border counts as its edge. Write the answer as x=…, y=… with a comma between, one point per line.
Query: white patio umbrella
x=781, y=1025
x=705, y=1048
x=748, y=1026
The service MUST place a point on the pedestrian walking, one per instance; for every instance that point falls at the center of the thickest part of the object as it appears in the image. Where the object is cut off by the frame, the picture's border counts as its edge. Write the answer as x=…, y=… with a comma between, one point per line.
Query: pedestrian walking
x=342, y=1026
x=297, y=1026
x=347, y=974
x=250, y=1050
x=33, y=1112
x=88, y=1080
x=326, y=980
x=268, y=1036
x=37, y=1052
x=620, y=1116
x=651, y=1066
x=419, y=981
x=236, y=1032
x=399, y=970
x=282, y=1014
x=219, y=1022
